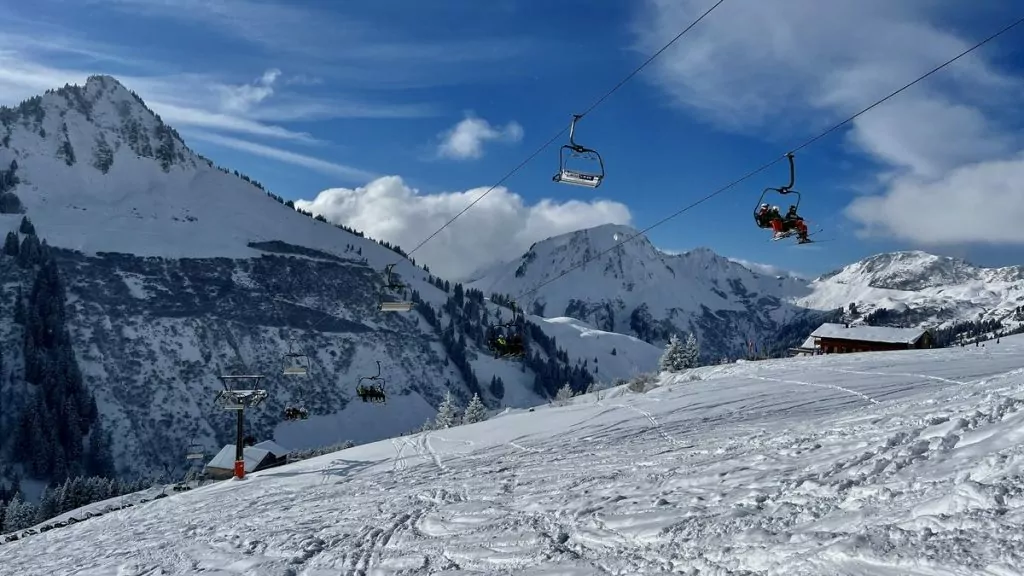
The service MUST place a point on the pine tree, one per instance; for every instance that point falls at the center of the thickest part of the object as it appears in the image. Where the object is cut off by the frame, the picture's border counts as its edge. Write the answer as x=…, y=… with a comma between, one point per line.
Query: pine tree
x=691, y=352
x=674, y=359
x=475, y=412
x=26, y=226
x=11, y=243
x=19, y=514
x=446, y=413
x=497, y=387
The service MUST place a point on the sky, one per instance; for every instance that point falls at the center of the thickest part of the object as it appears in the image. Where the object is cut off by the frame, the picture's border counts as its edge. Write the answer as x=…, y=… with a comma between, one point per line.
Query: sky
x=391, y=116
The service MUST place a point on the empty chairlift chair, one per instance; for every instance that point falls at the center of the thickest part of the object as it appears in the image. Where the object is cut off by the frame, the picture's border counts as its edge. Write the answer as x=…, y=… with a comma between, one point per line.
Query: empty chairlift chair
x=579, y=165
x=195, y=451
x=295, y=364
x=398, y=302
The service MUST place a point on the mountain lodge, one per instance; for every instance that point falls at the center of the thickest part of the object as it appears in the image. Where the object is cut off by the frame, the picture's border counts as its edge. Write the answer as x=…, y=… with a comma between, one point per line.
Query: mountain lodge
x=832, y=338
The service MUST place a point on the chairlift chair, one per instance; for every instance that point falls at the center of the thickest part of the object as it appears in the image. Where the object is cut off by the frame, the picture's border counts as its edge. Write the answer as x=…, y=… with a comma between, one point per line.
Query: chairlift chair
x=784, y=190
x=385, y=303
x=295, y=363
x=373, y=392
x=195, y=451
x=507, y=340
x=570, y=153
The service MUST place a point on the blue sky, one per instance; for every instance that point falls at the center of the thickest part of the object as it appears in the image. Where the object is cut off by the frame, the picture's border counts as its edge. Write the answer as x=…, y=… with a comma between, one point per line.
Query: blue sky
x=391, y=115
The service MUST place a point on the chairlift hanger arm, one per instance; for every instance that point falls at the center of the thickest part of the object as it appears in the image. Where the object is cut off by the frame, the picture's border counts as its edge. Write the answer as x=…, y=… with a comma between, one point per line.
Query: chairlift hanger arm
x=391, y=282
x=792, y=175
x=377, y=377
x=572, y=132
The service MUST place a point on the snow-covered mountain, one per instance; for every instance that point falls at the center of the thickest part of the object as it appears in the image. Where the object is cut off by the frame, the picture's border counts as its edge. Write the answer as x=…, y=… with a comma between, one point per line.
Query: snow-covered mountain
x=921, y=289
x=639, y=290
x=178, y=271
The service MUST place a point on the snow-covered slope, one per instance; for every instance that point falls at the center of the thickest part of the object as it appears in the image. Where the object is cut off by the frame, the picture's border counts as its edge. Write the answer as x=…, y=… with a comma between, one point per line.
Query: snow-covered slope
x=926, y=289
x=892, y=463
x=609, y=356
x=636, y=289
x=178, y=271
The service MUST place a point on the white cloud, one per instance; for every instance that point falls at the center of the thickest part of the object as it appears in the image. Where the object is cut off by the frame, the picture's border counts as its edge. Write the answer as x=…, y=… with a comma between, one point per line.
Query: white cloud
x=499, y=227
x=465, y=141
x=976, y=203
x=766, y=269
x=318, y=164
x=797, y=67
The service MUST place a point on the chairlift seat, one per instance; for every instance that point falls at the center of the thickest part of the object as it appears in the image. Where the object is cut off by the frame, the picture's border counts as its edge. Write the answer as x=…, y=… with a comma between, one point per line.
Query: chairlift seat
x=395, y=306
x=294, y=370
x=195, y=456
x=578, y=178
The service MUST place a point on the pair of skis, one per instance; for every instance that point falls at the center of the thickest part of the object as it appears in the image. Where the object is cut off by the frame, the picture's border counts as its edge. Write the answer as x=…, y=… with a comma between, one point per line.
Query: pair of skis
x=790, y=233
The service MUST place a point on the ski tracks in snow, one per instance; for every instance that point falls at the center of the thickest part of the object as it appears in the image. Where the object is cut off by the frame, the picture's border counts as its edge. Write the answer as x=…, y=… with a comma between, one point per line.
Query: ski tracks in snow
x=816, y=385
x=780, y=482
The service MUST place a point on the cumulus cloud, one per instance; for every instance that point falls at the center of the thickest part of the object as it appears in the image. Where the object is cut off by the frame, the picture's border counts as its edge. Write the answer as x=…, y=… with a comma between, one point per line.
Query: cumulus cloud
x=766, y=269
x=465, y=141
x=500, y=227
x=798, y=67
x=981, y=202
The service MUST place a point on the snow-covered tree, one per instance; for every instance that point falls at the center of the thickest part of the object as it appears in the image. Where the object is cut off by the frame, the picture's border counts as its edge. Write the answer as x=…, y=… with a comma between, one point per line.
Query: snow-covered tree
x=691, y=351
x=564, y=393
x=447, y=412
x=19, y=514
x=674, y=359
x=475, y=412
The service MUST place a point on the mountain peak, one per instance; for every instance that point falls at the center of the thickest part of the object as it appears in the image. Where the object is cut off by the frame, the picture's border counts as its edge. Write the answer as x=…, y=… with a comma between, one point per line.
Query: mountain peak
x=904, y=270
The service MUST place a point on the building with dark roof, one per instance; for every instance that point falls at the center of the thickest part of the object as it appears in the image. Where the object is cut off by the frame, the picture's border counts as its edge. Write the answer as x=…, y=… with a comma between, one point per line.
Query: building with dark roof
x=842, y=338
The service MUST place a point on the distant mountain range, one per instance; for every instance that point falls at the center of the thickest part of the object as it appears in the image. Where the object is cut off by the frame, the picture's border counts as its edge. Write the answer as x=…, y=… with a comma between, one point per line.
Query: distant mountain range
x=639, y=290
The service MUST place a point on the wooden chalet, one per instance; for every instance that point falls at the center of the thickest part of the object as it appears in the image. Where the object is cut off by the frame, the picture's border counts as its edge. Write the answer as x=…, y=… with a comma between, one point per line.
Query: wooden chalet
x=842, y=338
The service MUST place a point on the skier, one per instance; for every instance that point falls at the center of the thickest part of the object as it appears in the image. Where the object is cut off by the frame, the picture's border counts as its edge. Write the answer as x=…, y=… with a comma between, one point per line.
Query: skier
x=292, y=413
x=789, y=222
x=767, y=215
x=511, y=346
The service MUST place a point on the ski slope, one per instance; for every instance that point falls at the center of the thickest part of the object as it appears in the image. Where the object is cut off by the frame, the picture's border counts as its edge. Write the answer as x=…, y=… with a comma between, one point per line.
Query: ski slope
x=905, y=463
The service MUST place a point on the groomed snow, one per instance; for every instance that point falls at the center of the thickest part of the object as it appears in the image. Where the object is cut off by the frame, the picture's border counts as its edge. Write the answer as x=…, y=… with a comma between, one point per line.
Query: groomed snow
x=896, y=463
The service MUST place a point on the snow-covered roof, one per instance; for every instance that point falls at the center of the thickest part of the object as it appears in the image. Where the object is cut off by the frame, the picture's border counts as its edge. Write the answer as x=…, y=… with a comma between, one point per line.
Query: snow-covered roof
x=809, y=343
x=869, y=333
x=273, y=447
x=225, y=459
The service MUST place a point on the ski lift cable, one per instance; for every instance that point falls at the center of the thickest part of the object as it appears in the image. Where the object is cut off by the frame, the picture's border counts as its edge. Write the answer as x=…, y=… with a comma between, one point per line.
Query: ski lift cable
x=597, y=103
x=778, y=159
